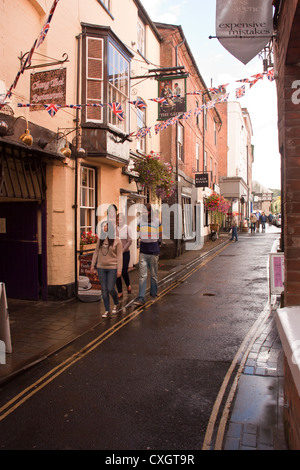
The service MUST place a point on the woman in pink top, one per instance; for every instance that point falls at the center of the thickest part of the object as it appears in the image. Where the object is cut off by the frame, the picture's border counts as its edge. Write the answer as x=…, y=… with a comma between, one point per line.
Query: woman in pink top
x=108, y=260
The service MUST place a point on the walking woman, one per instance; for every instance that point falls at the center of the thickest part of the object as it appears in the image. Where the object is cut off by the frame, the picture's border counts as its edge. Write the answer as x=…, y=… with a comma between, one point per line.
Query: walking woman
x=108, y=261
x=125, y=235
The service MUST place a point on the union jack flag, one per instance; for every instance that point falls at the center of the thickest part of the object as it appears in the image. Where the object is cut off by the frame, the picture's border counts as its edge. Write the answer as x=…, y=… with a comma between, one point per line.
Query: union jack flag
x=117, y=110
x=270, y=75
x=159, y=100
x=46, y=26
x=199, y=92
x=252, y=83
x=223, y=98
x=157, y=128
x=186, y=115
x=199, y=110
x=240, y=92
x=143, y=132
x=74, y=106
x=244, y=80
x=43, y=34
x=139, y=104
x=52, y=108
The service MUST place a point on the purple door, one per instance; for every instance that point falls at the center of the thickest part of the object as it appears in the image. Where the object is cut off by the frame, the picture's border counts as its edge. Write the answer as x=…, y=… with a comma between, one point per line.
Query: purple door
x=19, y=262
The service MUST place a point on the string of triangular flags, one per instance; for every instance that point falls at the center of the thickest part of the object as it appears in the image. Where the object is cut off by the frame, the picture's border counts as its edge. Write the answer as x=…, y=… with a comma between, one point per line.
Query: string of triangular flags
x=40, y=39
x=117, y=108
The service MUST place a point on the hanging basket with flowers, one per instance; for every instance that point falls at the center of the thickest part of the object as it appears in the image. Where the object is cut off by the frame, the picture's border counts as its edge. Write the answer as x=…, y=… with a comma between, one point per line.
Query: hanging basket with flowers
x=218, y=205
x=155, y=175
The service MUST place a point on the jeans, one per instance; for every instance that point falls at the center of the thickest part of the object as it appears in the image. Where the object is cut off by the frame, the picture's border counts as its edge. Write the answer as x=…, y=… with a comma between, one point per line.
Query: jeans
x=234, y=233
x=125, y=275
x=107, y=278
x=145, y=262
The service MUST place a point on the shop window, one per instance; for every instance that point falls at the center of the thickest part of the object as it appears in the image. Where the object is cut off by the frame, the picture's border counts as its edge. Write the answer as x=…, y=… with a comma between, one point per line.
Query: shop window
x=87, y=199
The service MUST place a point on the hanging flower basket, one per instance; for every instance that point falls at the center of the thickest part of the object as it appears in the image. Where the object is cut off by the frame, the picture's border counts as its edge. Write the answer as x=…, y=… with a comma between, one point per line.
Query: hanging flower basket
x=218, y=206
x=155, y=175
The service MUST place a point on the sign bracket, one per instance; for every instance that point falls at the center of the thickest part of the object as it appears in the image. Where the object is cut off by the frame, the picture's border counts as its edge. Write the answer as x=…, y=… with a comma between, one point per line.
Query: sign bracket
x=65, y=58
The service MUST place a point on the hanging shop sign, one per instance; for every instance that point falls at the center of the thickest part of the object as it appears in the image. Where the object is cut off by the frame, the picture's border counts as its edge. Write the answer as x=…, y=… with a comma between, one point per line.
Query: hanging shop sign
x=48, y=87
x=172, y=97
x=201, y=180
x=244, y=27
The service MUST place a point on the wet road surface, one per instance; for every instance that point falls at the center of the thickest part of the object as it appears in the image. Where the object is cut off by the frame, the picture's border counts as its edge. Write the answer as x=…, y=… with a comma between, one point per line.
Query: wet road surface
x=153, y=383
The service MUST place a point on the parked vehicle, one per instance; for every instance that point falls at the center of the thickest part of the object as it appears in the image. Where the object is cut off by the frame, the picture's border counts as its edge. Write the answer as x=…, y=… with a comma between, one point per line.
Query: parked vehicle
x=277, y=220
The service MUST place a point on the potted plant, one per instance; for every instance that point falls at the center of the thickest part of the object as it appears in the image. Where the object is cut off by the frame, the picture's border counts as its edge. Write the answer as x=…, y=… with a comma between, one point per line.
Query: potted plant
x=88, y=241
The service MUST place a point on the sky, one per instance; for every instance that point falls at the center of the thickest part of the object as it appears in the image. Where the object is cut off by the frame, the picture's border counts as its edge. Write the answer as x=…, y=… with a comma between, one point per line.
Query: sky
x=217, y=66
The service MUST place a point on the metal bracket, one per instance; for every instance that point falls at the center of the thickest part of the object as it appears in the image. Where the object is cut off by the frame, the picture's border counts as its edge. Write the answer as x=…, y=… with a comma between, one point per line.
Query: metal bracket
x=49, y=64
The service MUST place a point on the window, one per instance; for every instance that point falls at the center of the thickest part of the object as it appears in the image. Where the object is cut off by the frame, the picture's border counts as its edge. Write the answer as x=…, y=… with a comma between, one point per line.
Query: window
x=87, y=199
x=141, y=37
x=187, y=218
x=118, y=80
x=141, y=119
x=215, y=132
x=205, y=161
x=211, y=170
x=180, y=142
x=197, y=115
x=94, y=79
x=197, y=157
x=106, y=74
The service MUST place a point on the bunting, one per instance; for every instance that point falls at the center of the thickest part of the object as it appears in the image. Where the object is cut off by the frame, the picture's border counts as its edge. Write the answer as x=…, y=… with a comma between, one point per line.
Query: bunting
x=143, y=132
x=36, y=44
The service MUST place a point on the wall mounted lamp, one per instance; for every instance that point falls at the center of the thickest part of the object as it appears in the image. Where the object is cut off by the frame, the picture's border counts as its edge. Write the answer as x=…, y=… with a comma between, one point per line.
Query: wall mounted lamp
x=26, y=137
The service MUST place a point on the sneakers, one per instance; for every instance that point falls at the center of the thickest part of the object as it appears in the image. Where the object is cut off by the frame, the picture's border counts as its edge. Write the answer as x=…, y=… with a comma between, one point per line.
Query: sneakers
x=115, y=309
x=139, y=301
x=106, y=314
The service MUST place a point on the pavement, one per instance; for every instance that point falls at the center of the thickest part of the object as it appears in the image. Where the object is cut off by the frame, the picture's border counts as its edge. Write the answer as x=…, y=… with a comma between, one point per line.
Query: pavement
x=40, y=329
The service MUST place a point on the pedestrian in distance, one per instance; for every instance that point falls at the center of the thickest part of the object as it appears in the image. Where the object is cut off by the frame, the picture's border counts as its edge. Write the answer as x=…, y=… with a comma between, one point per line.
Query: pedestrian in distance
x=150, y=232
x=263, y=221
x=108, y=260
x=125, y=235
x=253, y=222
x=257, y=220
x=234, y=229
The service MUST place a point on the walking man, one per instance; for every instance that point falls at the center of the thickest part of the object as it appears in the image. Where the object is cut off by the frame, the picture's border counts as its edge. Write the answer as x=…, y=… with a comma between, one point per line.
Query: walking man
x=150, y=231
x=234, y=229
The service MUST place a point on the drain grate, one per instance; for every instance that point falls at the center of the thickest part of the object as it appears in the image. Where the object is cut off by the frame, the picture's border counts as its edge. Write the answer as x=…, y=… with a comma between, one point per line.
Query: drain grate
x=207, y=294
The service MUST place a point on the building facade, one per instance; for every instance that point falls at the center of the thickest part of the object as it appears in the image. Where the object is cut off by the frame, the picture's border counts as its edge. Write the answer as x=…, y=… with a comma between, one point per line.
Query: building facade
x=84, y=69
x=190, y=145
x=237, y=158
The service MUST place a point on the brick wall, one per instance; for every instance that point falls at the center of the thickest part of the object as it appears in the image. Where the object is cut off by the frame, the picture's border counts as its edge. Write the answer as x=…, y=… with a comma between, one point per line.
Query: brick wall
x=287, y=48
x=287, y=55
x=291, y=410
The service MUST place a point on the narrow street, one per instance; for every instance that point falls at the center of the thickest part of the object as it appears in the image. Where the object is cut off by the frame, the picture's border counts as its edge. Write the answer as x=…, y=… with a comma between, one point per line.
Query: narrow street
x=152, y=383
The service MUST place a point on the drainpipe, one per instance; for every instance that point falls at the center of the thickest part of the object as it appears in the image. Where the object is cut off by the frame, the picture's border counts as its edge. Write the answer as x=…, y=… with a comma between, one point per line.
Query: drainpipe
x=76, y=167
x=177, y=169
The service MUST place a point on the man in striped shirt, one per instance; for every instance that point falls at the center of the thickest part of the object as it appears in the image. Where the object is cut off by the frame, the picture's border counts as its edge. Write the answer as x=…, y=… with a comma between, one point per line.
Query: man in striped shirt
x=150, y=231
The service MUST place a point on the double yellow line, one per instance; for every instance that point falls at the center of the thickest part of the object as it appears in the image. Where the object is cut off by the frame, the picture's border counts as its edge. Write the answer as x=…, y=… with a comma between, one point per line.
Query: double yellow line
x=38, y=385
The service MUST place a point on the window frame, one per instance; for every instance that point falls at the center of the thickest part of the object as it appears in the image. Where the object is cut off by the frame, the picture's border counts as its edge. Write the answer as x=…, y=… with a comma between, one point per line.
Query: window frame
x=109, y=39
x=89, y=210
